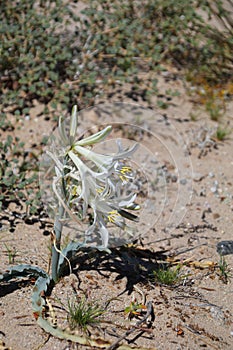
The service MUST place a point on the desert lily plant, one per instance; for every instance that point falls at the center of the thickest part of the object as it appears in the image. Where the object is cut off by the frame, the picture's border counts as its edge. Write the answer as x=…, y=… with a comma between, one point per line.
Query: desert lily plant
x=84, y=182
x=88, y=182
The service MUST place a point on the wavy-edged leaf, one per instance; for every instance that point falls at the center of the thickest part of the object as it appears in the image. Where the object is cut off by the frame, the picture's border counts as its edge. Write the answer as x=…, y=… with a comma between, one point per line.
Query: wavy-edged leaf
x=83, y=340
x=68, y=253
x=97, y=343
x=39, y=291
x=21, y=271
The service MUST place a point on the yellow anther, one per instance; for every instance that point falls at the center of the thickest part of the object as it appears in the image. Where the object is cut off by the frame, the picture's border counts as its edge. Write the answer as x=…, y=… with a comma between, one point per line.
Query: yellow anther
x=74, y=191
x=100, y=189
x=125, y=169
x=124, y=172
x=112, y=216
x=123, y=178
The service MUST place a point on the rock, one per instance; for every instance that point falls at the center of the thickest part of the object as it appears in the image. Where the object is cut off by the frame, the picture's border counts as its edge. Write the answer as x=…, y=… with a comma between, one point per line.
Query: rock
x=225, y=247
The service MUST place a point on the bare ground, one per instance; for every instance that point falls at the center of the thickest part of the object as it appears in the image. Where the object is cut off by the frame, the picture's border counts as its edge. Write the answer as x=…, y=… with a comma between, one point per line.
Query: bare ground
x=197, y=311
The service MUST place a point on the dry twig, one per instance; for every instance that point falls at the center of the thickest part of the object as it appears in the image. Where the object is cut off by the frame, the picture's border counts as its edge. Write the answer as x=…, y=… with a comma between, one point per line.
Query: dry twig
x=149, y=313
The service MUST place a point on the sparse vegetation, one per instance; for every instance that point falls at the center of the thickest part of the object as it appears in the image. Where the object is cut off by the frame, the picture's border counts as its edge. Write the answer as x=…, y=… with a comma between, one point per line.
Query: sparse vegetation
x=18, y=176
x=51, y=55
x=36, y=54
x=83, y=313
x=222, y=133
x=44, y=60
x=214, y=109
x=167, y=275
x=224, y=271
x=134, y=309
x=12, y=253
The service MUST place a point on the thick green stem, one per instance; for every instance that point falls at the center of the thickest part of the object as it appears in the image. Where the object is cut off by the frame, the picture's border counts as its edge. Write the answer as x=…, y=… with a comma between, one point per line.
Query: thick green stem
x=56, y=245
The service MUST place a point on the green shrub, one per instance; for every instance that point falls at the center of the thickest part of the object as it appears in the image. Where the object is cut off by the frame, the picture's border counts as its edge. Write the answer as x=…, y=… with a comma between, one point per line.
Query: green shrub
x=124, y=33
x=36, y=53
x=42, y=58
x=18, y=176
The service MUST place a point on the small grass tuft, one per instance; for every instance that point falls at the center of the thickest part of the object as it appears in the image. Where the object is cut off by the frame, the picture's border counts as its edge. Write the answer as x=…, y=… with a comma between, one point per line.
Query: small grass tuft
x=222, y=133
x=82, y=313
x=167, y=275
x=224, y=270
x=214, y=110
x=12, y=253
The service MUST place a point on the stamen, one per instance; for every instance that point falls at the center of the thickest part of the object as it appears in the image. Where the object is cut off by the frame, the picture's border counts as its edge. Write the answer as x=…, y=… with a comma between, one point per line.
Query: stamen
x=126, y=169
x=100, y=190
x=112, y=216
x=125, y=173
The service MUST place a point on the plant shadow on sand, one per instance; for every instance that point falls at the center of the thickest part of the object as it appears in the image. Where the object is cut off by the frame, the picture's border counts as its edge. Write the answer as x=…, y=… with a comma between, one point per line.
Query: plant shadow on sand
x=12, y=286
x=133, y=263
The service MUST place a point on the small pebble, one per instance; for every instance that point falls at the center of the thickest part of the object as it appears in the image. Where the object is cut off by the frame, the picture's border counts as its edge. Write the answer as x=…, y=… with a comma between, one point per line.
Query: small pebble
x=225, y=247
x=203, y=192
x=183, y=181
x=214, y=189
x=174, y=178
x=197, y=176
x=211, y=174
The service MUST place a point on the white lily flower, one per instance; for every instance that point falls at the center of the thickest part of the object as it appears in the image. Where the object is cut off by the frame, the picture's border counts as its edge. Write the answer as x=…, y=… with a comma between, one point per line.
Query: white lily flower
x=90, y=182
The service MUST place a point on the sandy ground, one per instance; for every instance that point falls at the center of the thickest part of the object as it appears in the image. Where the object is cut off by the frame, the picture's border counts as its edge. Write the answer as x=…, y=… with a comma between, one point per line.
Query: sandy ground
x=187, y=210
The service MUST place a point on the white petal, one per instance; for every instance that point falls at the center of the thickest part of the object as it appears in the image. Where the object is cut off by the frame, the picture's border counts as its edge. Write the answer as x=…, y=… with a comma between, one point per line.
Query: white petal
x=99, y=159
x=82, y=167
x=73, y=124
x=104, y=234
x=99, y=136
x=126, y=153
x=62, y=131
x=124, y=202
